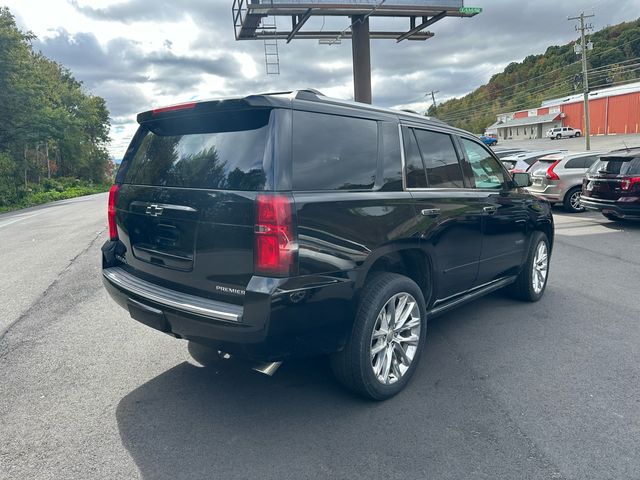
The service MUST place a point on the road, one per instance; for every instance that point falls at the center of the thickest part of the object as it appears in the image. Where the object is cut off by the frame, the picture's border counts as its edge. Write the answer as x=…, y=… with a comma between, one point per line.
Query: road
x=505, y=390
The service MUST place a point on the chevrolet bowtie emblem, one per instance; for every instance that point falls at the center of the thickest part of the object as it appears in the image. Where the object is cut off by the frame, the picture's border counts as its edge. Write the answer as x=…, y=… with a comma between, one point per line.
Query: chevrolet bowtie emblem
x=154, y=210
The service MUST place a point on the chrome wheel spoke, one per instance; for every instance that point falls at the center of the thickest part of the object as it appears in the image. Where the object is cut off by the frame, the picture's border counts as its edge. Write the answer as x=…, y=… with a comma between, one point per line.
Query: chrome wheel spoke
x=386, y=365
x=413, y=323
x=410, y=340
x=402, y=355
x=378, y=348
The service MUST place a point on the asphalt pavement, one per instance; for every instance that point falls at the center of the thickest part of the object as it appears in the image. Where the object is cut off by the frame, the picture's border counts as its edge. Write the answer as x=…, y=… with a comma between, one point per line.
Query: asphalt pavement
x=599, y=143
x=505, y=390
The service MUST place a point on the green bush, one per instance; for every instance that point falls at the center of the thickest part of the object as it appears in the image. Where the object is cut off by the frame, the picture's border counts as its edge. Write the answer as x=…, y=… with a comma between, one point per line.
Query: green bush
x=49, y=191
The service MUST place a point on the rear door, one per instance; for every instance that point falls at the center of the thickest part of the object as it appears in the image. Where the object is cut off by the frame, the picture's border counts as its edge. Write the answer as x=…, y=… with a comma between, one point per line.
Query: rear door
x=185, y=209
x=449, y=214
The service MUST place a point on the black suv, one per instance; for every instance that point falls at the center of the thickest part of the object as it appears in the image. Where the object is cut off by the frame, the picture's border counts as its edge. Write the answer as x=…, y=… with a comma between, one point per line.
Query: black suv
x=612, y=185
x=291, y=224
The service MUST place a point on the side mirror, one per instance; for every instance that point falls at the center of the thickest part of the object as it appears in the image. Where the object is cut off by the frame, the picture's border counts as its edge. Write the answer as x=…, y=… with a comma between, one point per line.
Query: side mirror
x=522, y=179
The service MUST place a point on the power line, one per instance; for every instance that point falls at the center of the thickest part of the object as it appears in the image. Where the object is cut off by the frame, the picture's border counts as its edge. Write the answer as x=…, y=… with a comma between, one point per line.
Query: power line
x=533, y=90
x=553, y=71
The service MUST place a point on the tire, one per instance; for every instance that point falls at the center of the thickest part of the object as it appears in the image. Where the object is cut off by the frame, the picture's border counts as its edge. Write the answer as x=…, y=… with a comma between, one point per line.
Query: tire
x=523, y=288
x=354, y=366
x=558, y=137
x=578, y=134
x=571, y=202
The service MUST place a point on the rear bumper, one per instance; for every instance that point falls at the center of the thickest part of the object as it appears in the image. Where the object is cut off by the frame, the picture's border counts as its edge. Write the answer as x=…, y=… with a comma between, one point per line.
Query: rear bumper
x=280, y=318
x=551, y=193
x=620, y=209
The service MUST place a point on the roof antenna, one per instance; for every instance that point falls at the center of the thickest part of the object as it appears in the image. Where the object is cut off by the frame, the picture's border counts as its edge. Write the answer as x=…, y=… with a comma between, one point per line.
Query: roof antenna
x=626, y=146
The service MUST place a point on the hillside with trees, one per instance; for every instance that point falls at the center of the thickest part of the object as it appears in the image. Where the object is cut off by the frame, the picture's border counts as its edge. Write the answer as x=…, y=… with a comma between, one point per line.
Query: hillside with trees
x=53, y=134
x=614, y=60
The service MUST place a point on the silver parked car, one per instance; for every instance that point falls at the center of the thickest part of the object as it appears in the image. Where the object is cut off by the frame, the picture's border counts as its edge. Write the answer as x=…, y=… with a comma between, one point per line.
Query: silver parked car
x=522, y=162
x=558, y=178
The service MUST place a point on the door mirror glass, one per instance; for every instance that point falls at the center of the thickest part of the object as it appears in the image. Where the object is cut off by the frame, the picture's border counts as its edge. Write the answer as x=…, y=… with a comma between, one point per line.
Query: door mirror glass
x=522, y=179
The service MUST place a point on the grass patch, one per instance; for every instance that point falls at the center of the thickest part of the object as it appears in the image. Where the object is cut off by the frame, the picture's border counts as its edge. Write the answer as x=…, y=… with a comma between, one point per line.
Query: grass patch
x=56, y=191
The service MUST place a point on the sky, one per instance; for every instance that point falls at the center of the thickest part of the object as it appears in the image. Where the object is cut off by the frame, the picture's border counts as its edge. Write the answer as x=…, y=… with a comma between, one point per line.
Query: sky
x=140, y=54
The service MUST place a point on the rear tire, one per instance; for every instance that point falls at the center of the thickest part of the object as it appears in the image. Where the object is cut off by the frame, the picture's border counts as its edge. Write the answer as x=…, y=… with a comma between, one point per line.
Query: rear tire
x=571, y=201
x=532, y=281
x=391, y=317
x=558, y=137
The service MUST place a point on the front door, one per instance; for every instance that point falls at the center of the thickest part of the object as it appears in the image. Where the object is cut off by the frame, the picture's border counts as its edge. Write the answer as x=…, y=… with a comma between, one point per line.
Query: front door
x=504, y=218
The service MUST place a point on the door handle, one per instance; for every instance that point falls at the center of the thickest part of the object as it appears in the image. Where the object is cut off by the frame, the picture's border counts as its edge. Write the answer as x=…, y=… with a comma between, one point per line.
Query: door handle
x=490, y=210
x=430, y=212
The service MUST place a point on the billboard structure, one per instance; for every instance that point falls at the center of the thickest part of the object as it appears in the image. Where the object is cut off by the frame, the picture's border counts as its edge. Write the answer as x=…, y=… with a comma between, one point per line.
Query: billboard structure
x=251, y=22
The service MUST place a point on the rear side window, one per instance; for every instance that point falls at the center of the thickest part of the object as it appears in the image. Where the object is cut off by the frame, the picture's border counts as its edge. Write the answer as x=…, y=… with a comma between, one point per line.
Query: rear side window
x=440, y=159
x=219, y=151
x=332, y=152
x=575, y=163
x=416, y=177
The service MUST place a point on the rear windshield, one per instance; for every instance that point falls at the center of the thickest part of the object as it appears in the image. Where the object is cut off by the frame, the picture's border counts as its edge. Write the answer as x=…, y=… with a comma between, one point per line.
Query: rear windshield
x=225, y=151
x=617, y=166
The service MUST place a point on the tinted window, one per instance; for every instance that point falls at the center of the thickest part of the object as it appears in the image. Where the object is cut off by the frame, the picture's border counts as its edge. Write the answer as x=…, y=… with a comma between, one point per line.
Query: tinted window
x=575, y=163
x=222, y=151
x=487, y=173
x=331, y=152
x=588, y=161
x=440, y=159
x=620, y=166
x=416, y=177
x=390, y=155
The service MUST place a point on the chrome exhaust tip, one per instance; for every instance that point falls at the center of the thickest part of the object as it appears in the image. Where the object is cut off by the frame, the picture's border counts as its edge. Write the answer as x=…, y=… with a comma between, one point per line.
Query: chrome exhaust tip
x=268, y=368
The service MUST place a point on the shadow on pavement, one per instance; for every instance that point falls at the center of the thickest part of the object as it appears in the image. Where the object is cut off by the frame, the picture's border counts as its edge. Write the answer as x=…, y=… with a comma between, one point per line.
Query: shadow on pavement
x=230, y=422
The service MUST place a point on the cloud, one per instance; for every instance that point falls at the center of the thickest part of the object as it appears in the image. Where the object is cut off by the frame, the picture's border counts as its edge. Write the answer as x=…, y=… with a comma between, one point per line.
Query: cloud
x=206, y=61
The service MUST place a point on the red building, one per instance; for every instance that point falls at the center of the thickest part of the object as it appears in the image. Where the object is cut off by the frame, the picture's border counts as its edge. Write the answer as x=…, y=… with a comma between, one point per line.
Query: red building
x=613, y=111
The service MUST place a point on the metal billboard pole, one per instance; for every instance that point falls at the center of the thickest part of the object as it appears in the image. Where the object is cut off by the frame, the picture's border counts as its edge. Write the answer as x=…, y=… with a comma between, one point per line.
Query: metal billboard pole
x=361, y=52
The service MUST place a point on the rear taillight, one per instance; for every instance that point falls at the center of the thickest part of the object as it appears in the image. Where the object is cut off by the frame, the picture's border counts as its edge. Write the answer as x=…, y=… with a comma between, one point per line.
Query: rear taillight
x=111, y=212
x=174, y=108
x=551, y=175
x=628, y=183
x=275, y=243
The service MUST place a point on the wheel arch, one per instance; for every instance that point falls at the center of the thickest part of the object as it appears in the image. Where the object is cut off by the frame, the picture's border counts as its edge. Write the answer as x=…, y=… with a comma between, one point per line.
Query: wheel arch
x=407, y=259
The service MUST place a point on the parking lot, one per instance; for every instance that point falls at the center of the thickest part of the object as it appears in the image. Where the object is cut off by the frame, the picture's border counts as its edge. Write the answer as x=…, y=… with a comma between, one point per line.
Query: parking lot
x=602, y=143
x=504, y=390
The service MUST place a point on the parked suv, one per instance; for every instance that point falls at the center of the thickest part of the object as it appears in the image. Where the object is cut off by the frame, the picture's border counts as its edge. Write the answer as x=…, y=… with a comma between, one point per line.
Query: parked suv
x=286, y=225
x=563, y=132
x=612, y=185
x=558, y=178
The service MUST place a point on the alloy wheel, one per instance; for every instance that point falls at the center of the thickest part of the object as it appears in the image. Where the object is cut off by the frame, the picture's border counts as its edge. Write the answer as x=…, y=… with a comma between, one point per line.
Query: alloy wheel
x=540, y=267
x=574, y=200
x=395, y=338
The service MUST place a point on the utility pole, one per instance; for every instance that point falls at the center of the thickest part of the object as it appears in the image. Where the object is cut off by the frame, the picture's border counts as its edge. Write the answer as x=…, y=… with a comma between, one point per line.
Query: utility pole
x=585, y=77
x=433, y=96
